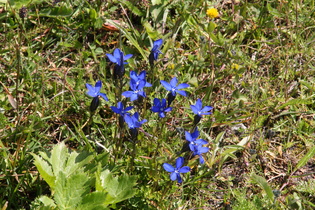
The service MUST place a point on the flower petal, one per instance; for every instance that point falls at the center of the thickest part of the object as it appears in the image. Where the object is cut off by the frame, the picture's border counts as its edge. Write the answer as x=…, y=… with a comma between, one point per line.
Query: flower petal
x=91, y=90
x=173, y=82
x=188, y=136
x=183, y=85
x=173, y=176
x=133, y=97
x=201, y=142
x=116, y=110
x=104, y=96
x=199, y=104
x=161, y=114
x=98, y=86
x=158, y=43
x=166, y=85
x=195, y=134
x=194, y=109
x=201, y=160
x=203, y=150
x=184, y=169
x=168, y=167
x=117, y=54
x=168, y=109
x=182, y=92
x=179, y=179
x=126, y=57
x=112, y=58
x=179, y=162
x=127, y=94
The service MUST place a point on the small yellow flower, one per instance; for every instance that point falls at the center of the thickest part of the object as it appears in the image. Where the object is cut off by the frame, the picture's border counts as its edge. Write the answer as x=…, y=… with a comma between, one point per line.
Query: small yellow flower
x=213, y=13
x=235, y=66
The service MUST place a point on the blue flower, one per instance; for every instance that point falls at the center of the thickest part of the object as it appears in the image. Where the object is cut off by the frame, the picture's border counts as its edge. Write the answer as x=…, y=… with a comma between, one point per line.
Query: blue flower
x=133, y=120
x=160, y=107
x=140, y=77
x=174, y=88
x=198, y=110
x=95, y=92
x=118, y=58
x=175, y=172
x=120, y=109
x=193, y=141
x=198, y=150
x=137, y=90
x=155, y=51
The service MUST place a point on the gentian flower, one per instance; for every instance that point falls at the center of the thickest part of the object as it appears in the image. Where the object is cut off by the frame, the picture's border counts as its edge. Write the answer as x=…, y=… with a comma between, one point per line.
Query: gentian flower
x=155, y=51
x=198, y=150
x=133, y=120
x=137, y=90
x=140, y=77
x=193, y=141
x=160, y=107
x=118, y=58
x=174, y=88
x=95, y=92
x=121, y=111
x=175, y=172
x=134, y=123
x=199, y=111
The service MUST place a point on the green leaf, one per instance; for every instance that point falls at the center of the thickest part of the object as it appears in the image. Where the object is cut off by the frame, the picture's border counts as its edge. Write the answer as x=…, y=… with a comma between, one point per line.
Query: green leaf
x=48, y=202
x=295, y=101
x=131, y=6
x=214, y=38
x=62, y=11
x=264, y=185
x=59, y=156
x=153, y=34
x=76, y=161
x=211, y=27
x=273, y=11
x=70, y=190
x=45, y=170
x=309, y=155
x=94, y=200
x=118, y=188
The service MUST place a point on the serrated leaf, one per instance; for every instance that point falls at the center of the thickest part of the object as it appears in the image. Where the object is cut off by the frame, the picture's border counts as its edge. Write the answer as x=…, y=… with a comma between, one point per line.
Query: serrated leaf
x=118, y=188
x=48, y=202
x=45, y=170
x=310, y=154
x=94, y=200
x=264, y=185
x=59, y=156
x=70, y=190
x=76, y=161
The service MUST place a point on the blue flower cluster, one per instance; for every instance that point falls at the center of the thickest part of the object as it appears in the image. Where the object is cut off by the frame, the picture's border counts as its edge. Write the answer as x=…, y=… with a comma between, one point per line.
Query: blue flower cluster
x=136, y=92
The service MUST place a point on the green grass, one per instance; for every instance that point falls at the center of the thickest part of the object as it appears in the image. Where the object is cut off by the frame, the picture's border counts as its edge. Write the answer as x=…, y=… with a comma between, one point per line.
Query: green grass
x=254, y=64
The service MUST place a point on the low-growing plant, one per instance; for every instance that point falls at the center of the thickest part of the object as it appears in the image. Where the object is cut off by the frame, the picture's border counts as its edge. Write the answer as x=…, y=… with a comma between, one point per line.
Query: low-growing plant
x=78, y=182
